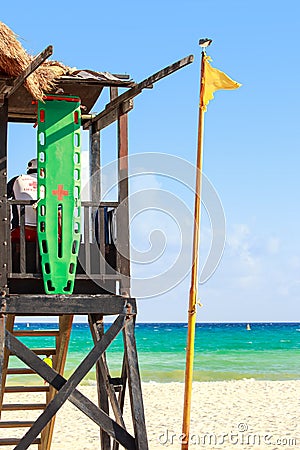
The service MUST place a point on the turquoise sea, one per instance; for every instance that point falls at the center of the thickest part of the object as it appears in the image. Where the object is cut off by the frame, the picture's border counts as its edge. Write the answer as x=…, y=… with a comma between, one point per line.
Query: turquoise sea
x=223, y=351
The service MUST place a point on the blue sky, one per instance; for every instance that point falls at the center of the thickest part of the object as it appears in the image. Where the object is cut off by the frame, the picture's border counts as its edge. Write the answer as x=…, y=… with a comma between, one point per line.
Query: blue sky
x=251, y=149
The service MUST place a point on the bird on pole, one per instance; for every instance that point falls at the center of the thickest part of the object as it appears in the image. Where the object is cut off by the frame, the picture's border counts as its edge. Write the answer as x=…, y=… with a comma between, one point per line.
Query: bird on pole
x=205, y=42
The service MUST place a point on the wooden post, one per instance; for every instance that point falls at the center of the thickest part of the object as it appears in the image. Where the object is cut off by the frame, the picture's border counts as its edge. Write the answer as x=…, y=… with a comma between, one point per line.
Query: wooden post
x=96, y=320
x=62, y=344
x=97, y=329
x=123, y=254
x=3, y=199
x=132, y=368
x=94, y=164
x=9, y=325
x=3, y=233
x=135, y=387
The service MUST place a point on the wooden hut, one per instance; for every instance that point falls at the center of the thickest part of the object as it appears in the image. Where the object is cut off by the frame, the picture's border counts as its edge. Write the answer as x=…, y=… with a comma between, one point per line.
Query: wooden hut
x=102, y=280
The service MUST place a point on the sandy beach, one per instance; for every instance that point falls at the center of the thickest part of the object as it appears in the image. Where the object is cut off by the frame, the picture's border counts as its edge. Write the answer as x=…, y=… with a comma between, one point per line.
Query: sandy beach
x=245, y=414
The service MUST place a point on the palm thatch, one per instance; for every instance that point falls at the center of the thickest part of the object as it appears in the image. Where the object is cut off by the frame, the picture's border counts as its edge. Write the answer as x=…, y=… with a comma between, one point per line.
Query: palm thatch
x=14, y=59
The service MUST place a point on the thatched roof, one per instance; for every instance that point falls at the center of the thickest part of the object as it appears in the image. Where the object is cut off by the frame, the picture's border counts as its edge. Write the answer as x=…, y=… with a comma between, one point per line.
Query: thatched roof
x=14, y=59
x=50, y=78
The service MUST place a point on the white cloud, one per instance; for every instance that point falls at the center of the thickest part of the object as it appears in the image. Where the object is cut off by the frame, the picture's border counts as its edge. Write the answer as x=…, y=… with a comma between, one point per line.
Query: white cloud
x=273, y=245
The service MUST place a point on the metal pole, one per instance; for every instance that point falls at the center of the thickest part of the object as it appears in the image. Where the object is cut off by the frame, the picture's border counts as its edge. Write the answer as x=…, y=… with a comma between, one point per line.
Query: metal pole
x=194, y=275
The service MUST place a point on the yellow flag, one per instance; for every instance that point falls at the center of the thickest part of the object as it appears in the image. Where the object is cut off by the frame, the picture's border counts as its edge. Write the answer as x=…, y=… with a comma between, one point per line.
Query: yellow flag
x=213, y=80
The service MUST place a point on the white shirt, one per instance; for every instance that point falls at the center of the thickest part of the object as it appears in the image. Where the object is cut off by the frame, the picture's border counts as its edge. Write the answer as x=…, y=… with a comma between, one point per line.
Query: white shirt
x=25, y=188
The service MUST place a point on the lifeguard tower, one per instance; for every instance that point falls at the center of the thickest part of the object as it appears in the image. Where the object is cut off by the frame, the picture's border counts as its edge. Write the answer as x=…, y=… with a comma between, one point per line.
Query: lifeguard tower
x=96, y=285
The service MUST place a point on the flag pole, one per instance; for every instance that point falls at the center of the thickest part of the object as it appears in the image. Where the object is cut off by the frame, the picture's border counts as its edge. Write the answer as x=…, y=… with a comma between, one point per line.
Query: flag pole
x=194, y=274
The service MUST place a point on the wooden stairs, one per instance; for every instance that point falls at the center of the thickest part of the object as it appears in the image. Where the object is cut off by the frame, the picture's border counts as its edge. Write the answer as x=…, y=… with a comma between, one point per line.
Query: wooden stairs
x=15, y=414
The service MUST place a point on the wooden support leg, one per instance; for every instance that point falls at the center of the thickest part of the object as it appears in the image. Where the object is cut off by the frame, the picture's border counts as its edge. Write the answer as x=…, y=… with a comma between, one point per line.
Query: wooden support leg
x=97, y=330
x=104, y=371
x=59, y=361
x=2, y=351
x=121, y=399
x=67, y=388
x=78, y=399
x=4, y=230
x=135, y=388
x=7, y=322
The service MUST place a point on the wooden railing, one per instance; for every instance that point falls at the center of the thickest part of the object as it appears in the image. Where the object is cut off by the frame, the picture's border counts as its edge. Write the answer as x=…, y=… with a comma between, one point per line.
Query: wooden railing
x=97, y=258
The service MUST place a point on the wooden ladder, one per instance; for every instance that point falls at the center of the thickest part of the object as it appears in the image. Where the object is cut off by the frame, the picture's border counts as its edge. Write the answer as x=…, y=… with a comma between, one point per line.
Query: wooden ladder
x=59, y=354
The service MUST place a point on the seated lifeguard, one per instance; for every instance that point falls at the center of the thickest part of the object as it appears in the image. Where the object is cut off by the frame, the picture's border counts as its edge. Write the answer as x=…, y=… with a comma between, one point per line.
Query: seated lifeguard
x=24, y=187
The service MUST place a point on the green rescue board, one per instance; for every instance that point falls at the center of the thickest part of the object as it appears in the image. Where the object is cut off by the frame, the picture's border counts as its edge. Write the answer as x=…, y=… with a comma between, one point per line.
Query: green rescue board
x=59, y=191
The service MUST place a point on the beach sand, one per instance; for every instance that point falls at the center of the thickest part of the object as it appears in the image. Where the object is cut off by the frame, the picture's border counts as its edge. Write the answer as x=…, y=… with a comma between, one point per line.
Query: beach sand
x=243, y=414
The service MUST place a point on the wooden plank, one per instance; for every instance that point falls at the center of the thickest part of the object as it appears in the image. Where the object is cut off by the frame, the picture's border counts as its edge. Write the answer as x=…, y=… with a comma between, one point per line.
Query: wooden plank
x=23, y=406
x=106, y=118
x=44, y=351
x=19, y=371
x=16, y=424
x=15, y=441
x=151, y=80
x=60, y=304
x=84, y=404
x=135, y=387
x=36, y=333
x=38, y=276
x=37, y=61
x=83, y=203
x=137, y=89
x=17, y=389
x=101, y=204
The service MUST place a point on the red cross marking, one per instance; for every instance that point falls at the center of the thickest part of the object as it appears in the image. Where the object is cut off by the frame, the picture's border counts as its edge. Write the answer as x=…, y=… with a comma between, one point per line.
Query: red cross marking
x=33, y=184
x=60, y=192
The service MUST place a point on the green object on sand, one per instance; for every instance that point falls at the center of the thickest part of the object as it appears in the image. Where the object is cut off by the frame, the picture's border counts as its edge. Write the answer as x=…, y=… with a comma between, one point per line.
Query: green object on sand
x=58, y=209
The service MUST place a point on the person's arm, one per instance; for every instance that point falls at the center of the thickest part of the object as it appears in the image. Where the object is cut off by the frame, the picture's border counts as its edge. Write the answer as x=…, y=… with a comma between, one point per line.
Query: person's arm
x=14, y=209
x=10, y=188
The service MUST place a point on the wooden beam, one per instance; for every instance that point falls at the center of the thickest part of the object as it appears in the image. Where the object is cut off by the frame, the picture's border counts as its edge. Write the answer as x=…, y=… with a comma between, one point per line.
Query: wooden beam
x=123, y=247
x=62, y=344
x=3, y=366
x=67, y=389
x=38, y=60
x=121, y=398
x=61, y=304
x=36, y=333
x=136, y=90
x=107, y=117
x=96, y=324
x=4, y=213
x=7, y=322
x=135, y=387
x=4, y=239
x=97, y=329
